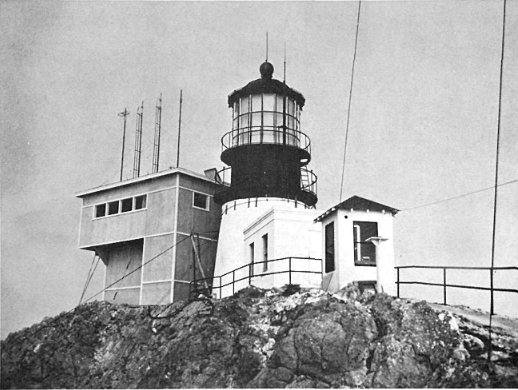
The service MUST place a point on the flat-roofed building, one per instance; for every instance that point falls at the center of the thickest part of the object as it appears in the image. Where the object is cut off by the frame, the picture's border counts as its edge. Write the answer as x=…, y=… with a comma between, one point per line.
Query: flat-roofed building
x=154, y=234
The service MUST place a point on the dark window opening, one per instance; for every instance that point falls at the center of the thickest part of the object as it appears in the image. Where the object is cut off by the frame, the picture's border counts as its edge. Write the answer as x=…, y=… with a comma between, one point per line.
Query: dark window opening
x=330, y=247
x=265, y=252
x=364, y=252
x=140, y=202
x=252, y=259
x=113, y=207
x=100, y=210
x=200, y=200
x=127, y=205
x=369, y=286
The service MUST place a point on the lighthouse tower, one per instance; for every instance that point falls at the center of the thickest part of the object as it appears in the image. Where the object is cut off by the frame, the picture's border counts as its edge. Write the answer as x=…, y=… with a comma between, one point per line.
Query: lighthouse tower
x=267, y=179
x=266, y=149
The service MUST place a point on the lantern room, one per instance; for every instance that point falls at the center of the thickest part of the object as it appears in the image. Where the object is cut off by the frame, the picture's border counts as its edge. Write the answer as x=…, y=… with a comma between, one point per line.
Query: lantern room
x=266, y=150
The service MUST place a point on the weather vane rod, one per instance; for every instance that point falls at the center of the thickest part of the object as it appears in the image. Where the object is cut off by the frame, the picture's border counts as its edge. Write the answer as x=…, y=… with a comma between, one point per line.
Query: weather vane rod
x=284, y=62
x=266, y=46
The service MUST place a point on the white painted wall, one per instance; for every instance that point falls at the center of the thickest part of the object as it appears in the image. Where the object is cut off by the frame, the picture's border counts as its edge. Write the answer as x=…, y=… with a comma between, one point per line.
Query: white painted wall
x=231, y=252
x=291, y=233
x=345, y=269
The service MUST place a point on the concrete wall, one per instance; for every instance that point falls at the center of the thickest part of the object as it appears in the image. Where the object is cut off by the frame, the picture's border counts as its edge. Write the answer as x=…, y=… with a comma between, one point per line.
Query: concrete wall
x=162, y=230
x=346, y=271
x=156, y=218
x=124, y=260
x=238, y=216
x=291, y=233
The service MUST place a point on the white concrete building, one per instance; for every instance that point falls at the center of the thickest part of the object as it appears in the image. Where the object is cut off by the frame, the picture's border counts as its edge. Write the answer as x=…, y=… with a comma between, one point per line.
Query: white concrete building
x=358, y=245
x=271, y=244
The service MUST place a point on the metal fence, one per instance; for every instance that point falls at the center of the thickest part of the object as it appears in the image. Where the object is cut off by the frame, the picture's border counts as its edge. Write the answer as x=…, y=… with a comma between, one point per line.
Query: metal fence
x=445, y=283
x=247, y=274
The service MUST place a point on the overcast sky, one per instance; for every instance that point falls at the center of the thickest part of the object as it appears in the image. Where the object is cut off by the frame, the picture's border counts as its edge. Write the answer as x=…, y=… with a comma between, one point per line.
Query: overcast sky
x=423, y=120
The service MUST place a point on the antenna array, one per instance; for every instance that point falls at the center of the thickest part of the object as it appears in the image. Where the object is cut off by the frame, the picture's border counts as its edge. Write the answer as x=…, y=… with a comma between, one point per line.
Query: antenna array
x=138, y=141
x=124, y=114
x=179, y=132
x=158, y=127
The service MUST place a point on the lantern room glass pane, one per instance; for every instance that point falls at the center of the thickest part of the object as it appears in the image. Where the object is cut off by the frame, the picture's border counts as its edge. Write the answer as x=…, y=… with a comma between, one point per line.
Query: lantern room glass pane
x=268, y=102
x=256, y=103
x=243, y=121
x=279, y=103
x=291, y=107
x=243, y=105
x=268, y=120
x=256, y=119
x=279, y=121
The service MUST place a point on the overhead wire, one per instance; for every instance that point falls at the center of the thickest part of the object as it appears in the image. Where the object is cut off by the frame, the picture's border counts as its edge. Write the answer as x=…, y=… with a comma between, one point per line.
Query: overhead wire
x=90, y=276
x=350, y=99
x=139, y=267
x=57, y=318
x=458, y=196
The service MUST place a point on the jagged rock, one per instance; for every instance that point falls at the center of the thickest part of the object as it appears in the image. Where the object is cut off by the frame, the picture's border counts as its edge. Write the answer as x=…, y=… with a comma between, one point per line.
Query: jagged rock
x=289, y=337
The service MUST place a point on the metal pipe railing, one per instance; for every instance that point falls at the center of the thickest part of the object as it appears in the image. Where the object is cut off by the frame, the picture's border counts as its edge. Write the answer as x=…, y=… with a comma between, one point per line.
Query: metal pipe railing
x=194, y=284
x=444, y=283
x=260, y=136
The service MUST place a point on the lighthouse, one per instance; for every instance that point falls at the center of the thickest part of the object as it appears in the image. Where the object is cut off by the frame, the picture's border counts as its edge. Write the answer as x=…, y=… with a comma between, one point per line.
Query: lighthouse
x=269, y=195
x=266, y=149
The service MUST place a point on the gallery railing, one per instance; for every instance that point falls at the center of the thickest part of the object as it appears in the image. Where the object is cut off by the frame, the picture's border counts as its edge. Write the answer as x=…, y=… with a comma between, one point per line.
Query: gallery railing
x=262, y=136
x=207, y=286
x=308, y=180
x=445, y=284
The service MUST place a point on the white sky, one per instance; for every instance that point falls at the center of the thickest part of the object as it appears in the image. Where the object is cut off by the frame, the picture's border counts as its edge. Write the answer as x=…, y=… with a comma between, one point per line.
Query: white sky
x=422, y=127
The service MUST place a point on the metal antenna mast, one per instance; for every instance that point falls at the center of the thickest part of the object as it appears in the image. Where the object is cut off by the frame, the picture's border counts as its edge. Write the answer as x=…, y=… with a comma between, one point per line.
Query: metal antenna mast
x=158, y=127
x=124, y=114
x=138, y=141
x=266, y=46
x=179, y=132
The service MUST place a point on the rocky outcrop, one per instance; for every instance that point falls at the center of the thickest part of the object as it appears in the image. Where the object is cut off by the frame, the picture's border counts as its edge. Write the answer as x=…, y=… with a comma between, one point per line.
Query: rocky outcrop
x=283, y=338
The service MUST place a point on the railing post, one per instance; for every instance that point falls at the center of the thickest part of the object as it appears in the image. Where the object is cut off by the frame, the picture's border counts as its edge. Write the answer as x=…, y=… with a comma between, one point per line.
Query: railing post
x=444, y=283
x=290, y=270
x=220, y=288
x=397, y=282
x=233, y=281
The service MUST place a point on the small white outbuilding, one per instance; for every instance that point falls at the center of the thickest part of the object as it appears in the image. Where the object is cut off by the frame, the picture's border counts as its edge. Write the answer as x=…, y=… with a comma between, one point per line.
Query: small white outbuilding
x=358, y=245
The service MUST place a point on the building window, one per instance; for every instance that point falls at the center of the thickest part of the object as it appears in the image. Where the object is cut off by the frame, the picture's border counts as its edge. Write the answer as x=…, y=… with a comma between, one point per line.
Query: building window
x=120, y=206
x=265, y=253
x=252, y=260
x=100, y=210
x=126, y=205
x=113, y=208
x=364, y=252
x=140, y=202
x=200, y=201
x=330, y=247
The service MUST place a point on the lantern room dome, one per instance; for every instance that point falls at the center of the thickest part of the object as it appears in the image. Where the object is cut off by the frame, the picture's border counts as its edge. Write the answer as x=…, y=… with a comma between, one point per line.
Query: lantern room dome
x=266, y=70
x=266, y=84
